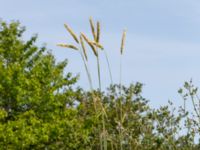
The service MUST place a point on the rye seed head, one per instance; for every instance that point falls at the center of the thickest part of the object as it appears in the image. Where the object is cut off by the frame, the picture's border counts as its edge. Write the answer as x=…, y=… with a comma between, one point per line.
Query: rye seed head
x=123, y=41
x=71, y=33
x=83, y=47
x=68, y=46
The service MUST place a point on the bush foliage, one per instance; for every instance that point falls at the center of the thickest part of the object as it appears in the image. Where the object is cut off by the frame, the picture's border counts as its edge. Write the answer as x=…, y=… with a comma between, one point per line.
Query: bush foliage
x=39, y=109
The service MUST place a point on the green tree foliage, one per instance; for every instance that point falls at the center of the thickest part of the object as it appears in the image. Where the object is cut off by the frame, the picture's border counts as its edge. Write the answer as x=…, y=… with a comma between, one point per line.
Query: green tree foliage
x=39, y=109
x=35, y=96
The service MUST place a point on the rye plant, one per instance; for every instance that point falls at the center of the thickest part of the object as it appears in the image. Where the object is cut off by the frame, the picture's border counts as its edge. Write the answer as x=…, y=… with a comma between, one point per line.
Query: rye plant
x=100, y=107
x=120, y=86
x=81, y=49
x=95, y=46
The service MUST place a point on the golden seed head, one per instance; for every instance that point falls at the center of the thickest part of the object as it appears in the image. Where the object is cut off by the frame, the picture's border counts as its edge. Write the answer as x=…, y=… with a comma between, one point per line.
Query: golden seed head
x=68, y=46
x=123, y=41
x=83, y=47
x=92, y=27
x=71, y=33
x=98, y=32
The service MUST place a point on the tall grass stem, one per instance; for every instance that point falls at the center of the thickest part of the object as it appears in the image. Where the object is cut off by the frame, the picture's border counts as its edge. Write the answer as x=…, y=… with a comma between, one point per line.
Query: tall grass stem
x=109, y=68
x=120, y=75
x=99, y=72
x=87, y=70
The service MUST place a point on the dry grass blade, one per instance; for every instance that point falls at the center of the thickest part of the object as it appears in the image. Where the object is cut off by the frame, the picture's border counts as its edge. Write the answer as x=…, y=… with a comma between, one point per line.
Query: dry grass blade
x=92, y=28
x=68, y=46
x=123, y=41
x=71, y=32
x=98, y=32
x=83, y=47
x=90, y=44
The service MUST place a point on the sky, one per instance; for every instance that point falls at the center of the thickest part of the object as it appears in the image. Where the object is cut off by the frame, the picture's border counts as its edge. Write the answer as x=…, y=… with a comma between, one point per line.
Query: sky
x=162, y=45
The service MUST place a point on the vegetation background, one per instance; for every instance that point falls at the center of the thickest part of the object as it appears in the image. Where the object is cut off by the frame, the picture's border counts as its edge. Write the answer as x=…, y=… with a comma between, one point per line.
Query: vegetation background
x=39, y=108
x=42, y=107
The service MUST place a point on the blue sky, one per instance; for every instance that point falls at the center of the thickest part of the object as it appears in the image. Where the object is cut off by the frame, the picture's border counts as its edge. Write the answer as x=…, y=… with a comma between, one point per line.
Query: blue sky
x=162, y=47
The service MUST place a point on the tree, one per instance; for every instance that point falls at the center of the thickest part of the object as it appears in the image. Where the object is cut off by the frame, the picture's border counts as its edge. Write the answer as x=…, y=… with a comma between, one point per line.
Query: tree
x=34, y=95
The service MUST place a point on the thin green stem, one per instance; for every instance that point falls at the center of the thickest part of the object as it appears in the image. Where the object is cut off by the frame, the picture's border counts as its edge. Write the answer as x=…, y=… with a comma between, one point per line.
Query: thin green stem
x=121, y=124
x=99, y=73
x=120, y=91
x=120, y=76
x=101, y=143
x=87, y=71
x=104, y=133
x=89, y=77
x=109, y=68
